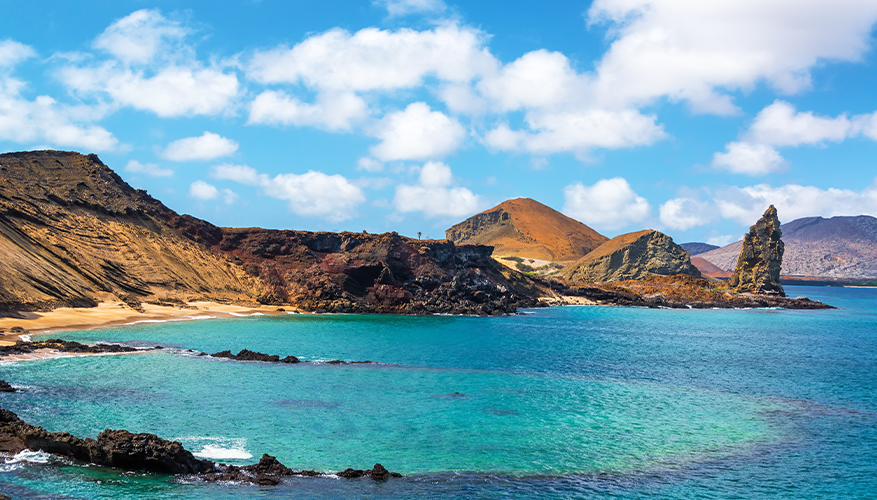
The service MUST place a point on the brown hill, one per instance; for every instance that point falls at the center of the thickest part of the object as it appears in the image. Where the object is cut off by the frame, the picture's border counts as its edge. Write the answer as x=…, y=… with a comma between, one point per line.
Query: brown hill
x=73, y=233
x=709, y=269
x=632, y=256
x=527, y=228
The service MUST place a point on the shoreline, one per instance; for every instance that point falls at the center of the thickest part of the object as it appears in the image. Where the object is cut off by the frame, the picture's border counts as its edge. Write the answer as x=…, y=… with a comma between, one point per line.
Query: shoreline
x=116, y=313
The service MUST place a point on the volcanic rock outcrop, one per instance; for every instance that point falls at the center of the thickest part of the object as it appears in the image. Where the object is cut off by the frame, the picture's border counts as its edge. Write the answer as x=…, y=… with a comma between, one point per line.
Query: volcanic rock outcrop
x=632, y=256
x=527, y=228
x=73, y=233
x=761, y=257
x=138, y=452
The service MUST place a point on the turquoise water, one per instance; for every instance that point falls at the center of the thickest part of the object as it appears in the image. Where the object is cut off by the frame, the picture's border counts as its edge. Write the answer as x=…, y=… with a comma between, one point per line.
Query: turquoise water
x=573, y=402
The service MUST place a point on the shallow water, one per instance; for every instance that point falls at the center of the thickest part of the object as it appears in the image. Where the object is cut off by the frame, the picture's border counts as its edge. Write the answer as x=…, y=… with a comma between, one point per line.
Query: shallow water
x=557, y=403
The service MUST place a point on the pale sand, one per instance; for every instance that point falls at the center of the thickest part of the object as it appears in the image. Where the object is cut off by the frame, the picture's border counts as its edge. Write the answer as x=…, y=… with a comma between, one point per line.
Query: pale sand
x=113, y=313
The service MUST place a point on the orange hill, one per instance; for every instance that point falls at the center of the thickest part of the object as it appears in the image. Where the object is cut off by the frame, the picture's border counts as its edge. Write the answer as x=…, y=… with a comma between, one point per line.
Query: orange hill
x=527, y=228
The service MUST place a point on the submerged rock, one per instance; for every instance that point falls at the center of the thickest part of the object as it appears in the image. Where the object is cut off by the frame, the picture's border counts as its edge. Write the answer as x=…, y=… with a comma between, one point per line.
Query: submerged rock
x=761, y=257
x=378, y=473
x=5, y=387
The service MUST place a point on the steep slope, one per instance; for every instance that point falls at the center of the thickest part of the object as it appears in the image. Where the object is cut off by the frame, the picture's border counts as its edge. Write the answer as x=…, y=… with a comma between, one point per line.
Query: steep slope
x=632, y=256
x=696, y=248
x=72, y=231
x=709, y=269
x=527, y=228
x=838, y=247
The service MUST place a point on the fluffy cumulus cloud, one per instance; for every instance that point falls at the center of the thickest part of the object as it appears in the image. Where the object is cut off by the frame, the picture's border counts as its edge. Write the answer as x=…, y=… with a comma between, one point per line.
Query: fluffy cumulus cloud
x=608, y=204
x=692, y=50
x=139, y=36
x=207, y=146
x=332, y=197
x=780, y=125
x=405, y=7
x=434, y=194
x=334, y=112
x=150, y=169
x=204, y=191
x=47, y=121
x=152, y=69
x=686, y=213
x=417, y=133
x=748, y=158
x=578, y=132
x=745, y=205
x=373, y=59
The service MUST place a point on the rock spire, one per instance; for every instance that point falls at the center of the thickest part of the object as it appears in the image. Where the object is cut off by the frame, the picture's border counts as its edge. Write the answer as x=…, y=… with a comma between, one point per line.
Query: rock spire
x=761, y=257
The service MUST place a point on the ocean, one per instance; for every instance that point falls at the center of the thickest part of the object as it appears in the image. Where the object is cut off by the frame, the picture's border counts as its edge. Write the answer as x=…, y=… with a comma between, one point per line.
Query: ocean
x=563, y=402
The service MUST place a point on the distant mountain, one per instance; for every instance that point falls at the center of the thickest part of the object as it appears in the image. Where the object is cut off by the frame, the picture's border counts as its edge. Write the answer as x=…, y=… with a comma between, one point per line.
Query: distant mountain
x=527, y=228
x=631, y=256
x=839, y=247
x=696, y=248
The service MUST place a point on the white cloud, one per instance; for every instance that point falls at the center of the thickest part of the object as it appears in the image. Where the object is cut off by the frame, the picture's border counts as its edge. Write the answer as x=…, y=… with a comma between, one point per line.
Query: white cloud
x=417, y=133
x=578, y=131
x=238, y=173
x=693, y=50
x=434, y=196
x=750, y=159
x=867, y=125
x=538, y=79
x=150, y=169
x=781, y=125
x=139, y=36
x=207, y=146
x=332, y=111
x=686, y=213
x=317, y=194
x=171, y=91
x=45, y=120
x=405, y=7
x=151, y=69
x=373, y=59
x=608, y=204
x=332, y=197
x=203, y=191
x=745, y=205
x=12, y=53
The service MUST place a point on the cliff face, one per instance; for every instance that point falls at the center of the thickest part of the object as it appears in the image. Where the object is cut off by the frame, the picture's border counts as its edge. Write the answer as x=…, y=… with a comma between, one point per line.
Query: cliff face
x=527, y=228
x=632, y=256
x=761, y=257
x=72, y=232
x=360, y=272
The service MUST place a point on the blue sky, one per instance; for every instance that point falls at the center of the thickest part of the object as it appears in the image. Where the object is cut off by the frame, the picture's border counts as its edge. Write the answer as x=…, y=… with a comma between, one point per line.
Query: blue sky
x=685, y=116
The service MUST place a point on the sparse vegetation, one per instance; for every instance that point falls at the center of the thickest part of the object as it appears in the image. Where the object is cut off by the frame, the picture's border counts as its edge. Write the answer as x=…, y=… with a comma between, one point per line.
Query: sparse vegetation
x=513, y=258
x=524, y=267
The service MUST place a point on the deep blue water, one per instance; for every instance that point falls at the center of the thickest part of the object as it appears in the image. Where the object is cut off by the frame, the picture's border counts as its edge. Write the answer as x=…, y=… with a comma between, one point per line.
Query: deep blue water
x=573, y=402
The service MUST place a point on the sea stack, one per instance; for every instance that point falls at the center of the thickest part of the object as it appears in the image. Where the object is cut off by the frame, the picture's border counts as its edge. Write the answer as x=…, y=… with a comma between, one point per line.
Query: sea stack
x=761, y=257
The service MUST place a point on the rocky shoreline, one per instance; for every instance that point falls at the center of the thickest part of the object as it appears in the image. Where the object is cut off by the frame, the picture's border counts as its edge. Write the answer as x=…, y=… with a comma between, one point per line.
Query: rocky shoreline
x=147, y=452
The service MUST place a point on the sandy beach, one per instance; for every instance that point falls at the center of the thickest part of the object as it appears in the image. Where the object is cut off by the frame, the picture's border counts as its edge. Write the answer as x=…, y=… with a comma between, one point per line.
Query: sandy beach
x=114, y=313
